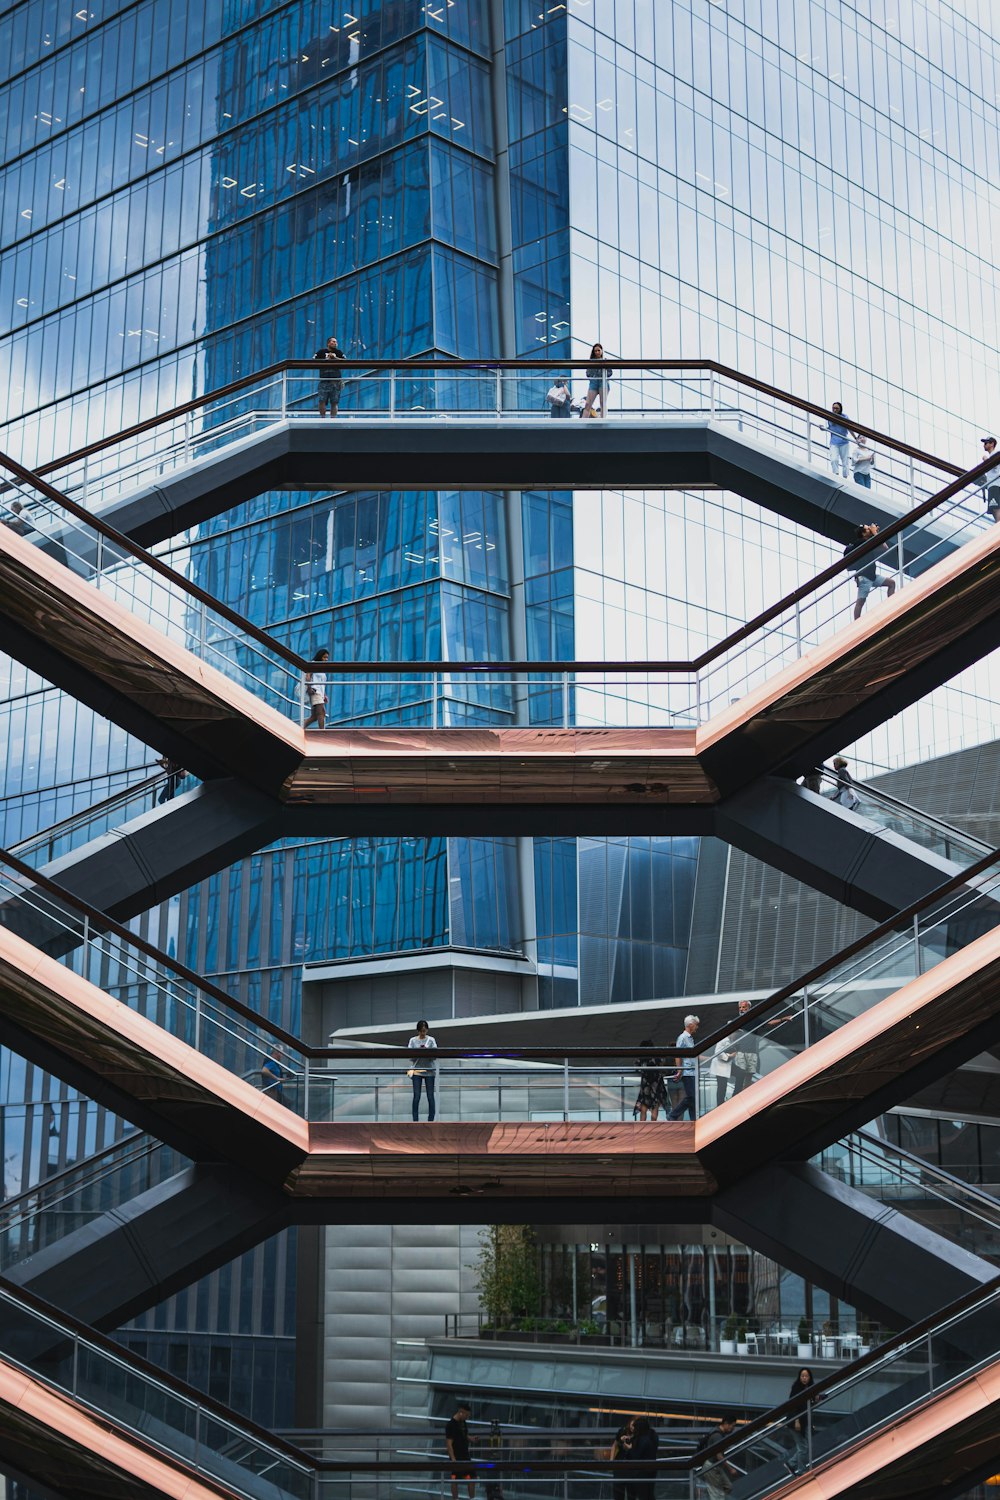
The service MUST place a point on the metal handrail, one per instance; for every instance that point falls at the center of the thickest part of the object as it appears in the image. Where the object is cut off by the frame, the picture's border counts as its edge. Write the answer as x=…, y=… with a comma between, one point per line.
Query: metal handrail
x=94, y=1165
x=65, y=1322
x=866, y=791
x=101, y=921
x=415, y=668
x=147, y=560
x=74, y=820
x=952, y=1187
x=443, y=366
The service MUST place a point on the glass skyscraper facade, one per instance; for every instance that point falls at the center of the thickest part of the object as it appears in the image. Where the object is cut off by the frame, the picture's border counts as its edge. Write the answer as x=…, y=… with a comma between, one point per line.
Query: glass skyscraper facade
x=190, y=191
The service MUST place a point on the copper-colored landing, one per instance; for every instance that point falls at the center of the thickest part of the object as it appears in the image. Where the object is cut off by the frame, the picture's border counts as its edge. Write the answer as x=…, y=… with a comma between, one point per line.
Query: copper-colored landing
x=528, y=1159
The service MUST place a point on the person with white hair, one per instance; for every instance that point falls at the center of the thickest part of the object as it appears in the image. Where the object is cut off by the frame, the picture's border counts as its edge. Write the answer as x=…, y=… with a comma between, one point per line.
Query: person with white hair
x=688, y=1071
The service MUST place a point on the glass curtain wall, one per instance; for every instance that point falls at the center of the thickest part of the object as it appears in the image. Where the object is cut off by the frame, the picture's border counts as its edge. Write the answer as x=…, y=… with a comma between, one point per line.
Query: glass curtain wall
x=189, y=193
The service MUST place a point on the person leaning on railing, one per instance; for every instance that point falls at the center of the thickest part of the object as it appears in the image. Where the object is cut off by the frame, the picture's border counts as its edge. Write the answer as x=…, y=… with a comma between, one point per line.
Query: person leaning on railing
x=990, y=481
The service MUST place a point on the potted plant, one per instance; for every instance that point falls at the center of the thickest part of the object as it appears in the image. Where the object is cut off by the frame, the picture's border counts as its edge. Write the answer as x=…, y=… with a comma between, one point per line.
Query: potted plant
x=727, y=1343
x=590, y=1332
x=805, y=1348
x=828, y=1343
x=742, y=1347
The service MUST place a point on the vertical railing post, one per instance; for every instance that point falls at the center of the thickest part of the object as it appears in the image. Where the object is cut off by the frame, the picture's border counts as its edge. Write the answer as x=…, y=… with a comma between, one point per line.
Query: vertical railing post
x=916, y=946
x=697, y=697
x=711, y=396
x=498, y=398
x=805, y=1015
x=565, y=1089
x=197, y=1020
x=303, y=695
x=284, y=394
x=187, y=436
x=75, y=1376
x=86, y=481
x=930, y=1363
x=809, y=439
x=913, y=483
x=434, y=700
x=305, y=1088
x=809, y=1434
x=565, y=700
x=798, y=628
x=900, y=560
x=392, y=393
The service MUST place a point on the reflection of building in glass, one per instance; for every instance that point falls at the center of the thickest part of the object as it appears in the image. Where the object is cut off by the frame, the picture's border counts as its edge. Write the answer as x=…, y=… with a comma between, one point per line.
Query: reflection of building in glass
x=191, y=192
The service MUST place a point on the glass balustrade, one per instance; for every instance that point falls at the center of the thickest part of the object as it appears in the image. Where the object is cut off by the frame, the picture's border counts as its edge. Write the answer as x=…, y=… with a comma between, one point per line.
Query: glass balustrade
x=878, y=1395
x=80, y=828
x=161, y=599
x=481, y=392
x=860, y=1403
x=76, y=1196
x=911, y=823
x=515, y=1084
x=849, y=989
x=159, y=1414
x=474, y=694
x=955, y=1209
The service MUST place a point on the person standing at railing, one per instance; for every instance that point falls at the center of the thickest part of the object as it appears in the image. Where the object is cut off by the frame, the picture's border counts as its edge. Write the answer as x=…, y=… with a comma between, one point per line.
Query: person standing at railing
x=315, y=691
x=734, y=1058
x=867, y=573
x=639, y=1469
x=840, y=440
x=990, y=481
x=15, y=520
x=863, y=461
x=652, y=1096
x=559, y=398
x=456, y=1437
x=688, y=1072
x=331, y=384
x=423, y=1068
x=599, y=377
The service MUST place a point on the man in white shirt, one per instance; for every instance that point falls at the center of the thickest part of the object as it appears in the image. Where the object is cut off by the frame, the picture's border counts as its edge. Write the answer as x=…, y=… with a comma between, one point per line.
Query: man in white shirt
x=686, y=1064
x=863, y=462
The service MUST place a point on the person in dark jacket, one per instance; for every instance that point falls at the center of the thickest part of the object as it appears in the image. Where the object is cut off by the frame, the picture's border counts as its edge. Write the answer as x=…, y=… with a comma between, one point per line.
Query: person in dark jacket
x=652, y=1096
x=867, y=574
x=640, y=1471
x=331, y=381
x=799, y=1425
x=715, y=1473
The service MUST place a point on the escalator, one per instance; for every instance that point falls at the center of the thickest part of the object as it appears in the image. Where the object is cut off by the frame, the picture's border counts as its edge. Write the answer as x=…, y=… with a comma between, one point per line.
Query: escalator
x=144, y=646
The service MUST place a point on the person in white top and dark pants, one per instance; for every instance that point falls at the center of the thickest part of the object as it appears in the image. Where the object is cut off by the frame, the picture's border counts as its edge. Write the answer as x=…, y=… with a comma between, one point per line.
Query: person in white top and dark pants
x=423, y=1068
